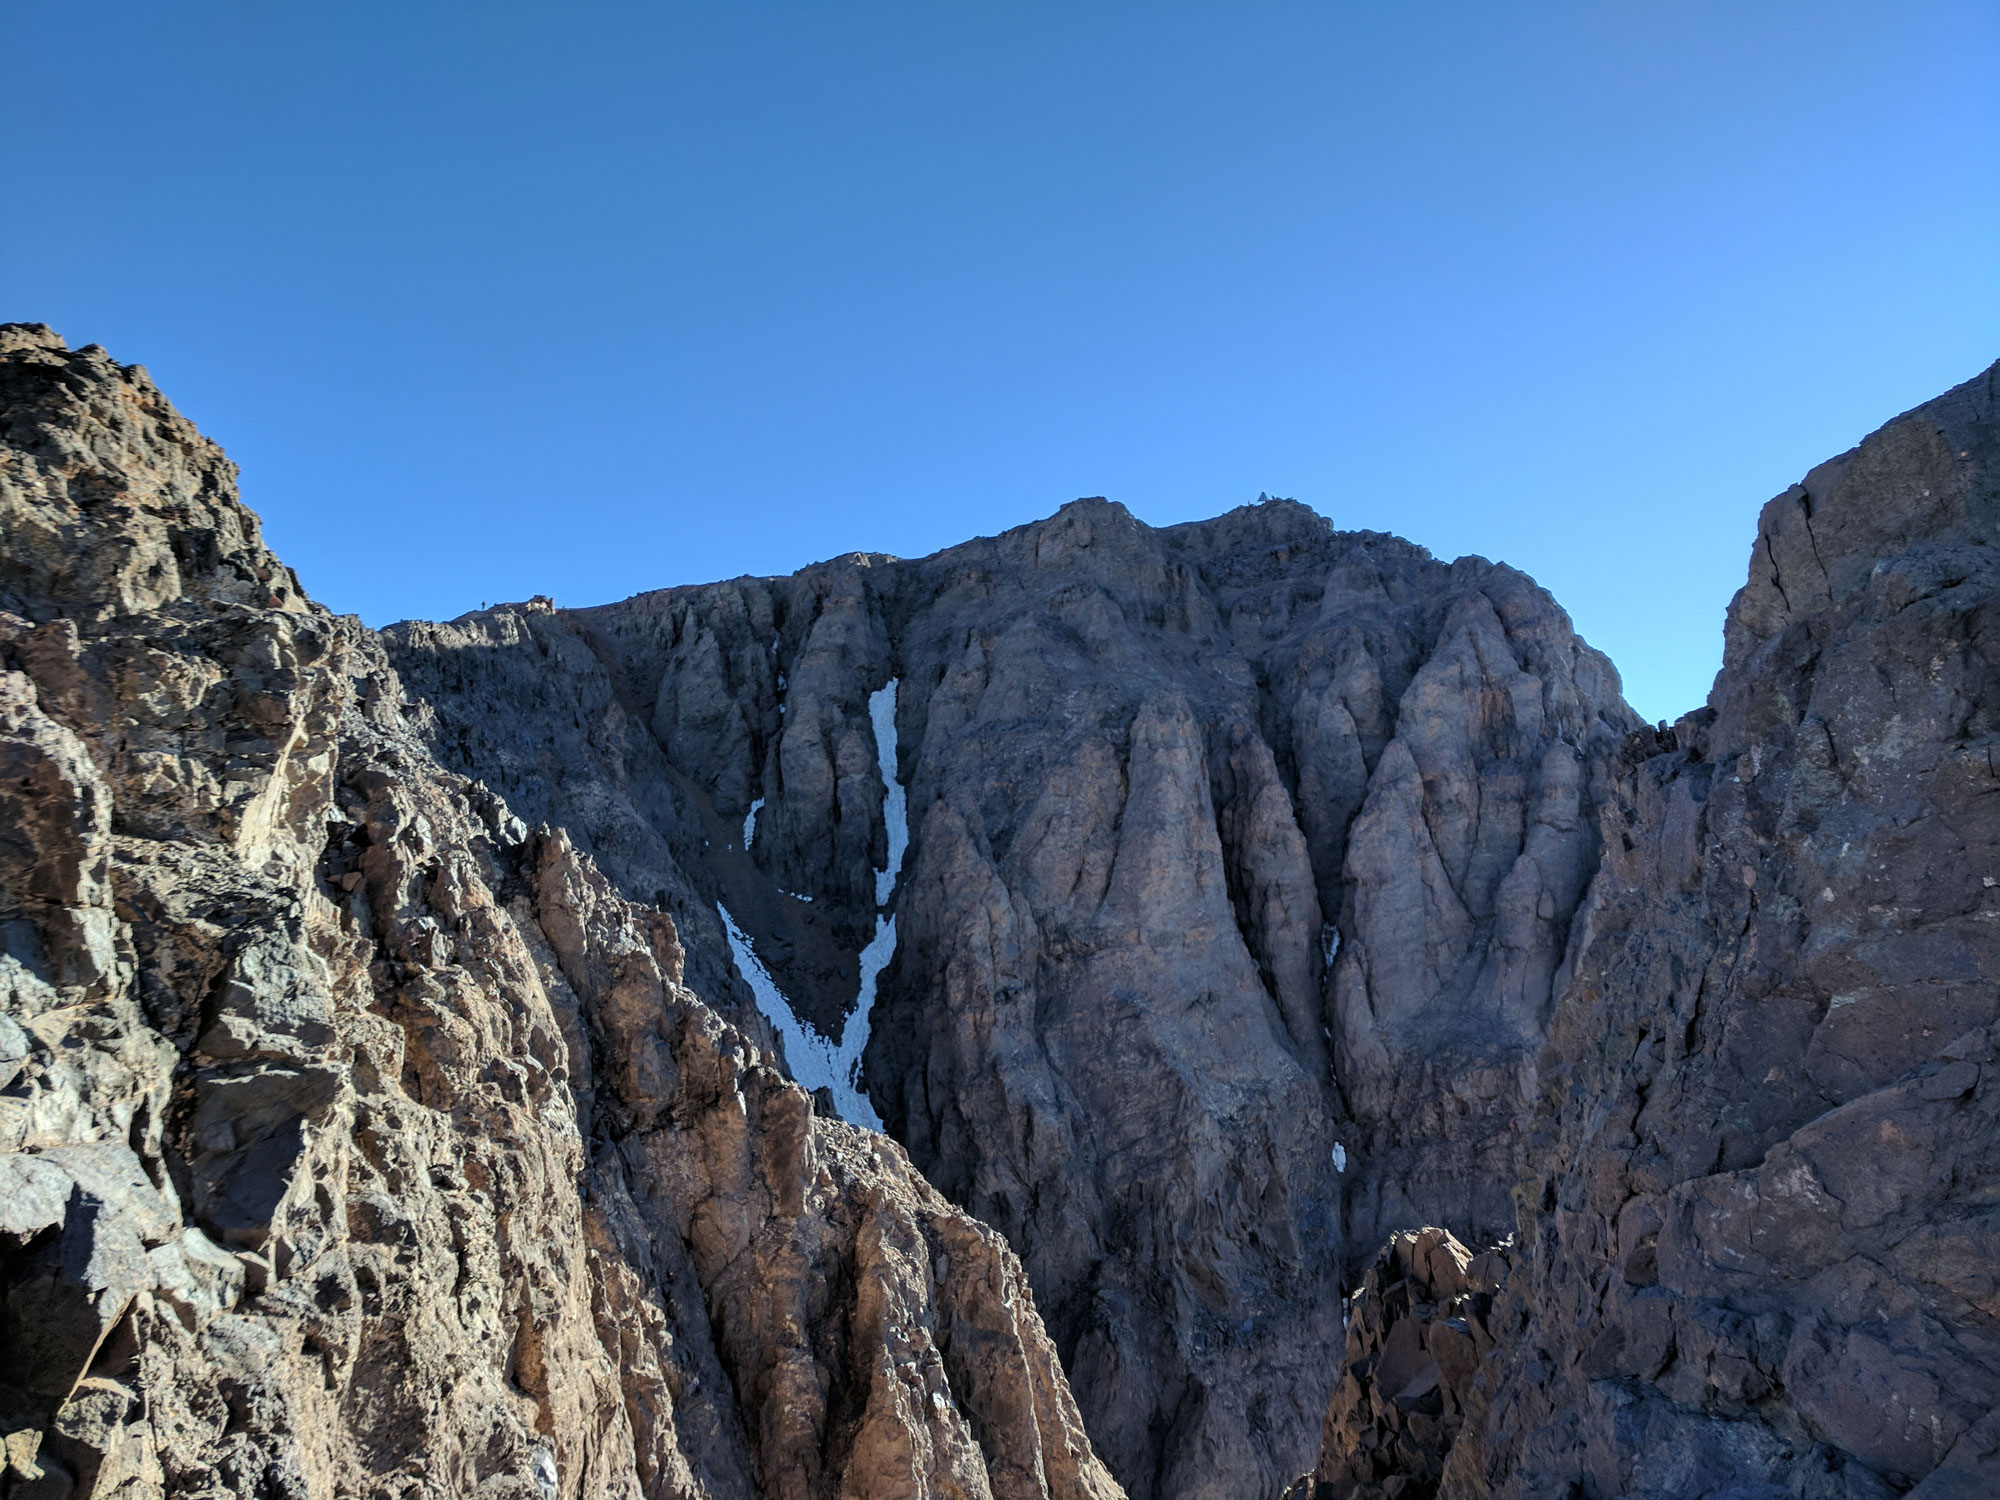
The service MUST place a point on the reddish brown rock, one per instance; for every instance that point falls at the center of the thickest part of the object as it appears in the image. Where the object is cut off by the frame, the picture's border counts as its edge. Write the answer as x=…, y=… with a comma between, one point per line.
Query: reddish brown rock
x=355, y=1139
x=1418, y=1328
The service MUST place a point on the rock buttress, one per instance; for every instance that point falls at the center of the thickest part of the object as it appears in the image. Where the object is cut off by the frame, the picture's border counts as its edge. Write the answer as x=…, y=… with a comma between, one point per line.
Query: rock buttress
x=356, y=1138
x=1761, y=1235
x=1758, y=1234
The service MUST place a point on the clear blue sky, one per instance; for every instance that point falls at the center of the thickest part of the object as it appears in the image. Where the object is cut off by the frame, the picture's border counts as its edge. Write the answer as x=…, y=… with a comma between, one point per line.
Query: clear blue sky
x=585, y=298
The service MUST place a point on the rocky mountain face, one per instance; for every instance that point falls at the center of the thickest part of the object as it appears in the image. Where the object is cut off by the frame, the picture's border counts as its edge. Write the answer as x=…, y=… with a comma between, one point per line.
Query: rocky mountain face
x=1760, y=1238
x=1764, y=1211
x=970, y=1026
x=1191, y=899
x=358, y=1139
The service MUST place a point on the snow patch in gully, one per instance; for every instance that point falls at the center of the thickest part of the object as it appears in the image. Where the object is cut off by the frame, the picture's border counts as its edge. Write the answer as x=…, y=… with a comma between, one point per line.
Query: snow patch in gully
x=895, y=807
x=816, y=1061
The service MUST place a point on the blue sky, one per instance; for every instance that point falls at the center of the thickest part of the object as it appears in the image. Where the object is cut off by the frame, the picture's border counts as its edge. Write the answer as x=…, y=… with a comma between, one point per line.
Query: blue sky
x=499, y=299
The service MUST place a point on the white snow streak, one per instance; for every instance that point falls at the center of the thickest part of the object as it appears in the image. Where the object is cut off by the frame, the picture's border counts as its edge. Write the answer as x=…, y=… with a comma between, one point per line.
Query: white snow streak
x=815, y=1061
x=895, y=814
x=895, y=810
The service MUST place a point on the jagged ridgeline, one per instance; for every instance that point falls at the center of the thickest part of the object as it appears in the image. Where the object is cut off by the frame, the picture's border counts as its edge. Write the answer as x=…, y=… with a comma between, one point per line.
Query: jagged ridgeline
x=961, y=1026
x=1189, y=899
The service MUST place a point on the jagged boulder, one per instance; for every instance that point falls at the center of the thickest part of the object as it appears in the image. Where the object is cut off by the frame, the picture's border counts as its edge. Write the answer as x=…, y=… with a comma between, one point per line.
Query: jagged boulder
x=1418, y=1327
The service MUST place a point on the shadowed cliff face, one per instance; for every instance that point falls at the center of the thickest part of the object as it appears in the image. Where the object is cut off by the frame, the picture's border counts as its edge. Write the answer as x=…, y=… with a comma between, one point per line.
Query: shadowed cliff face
x=356, y=1139
x=1759, y=1239
x=1240, y=860
x=1763, y=1217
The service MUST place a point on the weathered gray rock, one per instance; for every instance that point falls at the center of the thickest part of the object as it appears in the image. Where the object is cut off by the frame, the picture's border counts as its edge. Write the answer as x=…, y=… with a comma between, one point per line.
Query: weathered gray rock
x=386, y=1105
x=1240, y=860
x=355, y=1139
x=1759, y=1245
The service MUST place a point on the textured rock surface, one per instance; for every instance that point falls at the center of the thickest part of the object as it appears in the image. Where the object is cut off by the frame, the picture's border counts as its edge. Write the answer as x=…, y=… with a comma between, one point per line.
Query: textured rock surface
x=1761, y=1233
x=1241, y=859
x=1418, y=1327
x=382, y=1110
x=355, y=1139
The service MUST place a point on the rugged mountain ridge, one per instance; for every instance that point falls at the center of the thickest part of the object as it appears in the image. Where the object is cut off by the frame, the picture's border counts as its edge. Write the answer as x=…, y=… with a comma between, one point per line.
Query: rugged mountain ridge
x=1762, y=1223
x=401, y=1034
x=1240, y=860
x=1761, y=1226
x=356, y=1138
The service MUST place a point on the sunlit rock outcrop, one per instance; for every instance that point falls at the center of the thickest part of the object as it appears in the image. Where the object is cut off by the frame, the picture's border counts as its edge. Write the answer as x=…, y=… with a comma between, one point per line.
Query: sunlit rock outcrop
x=438, y=1062
x=358, y=1139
